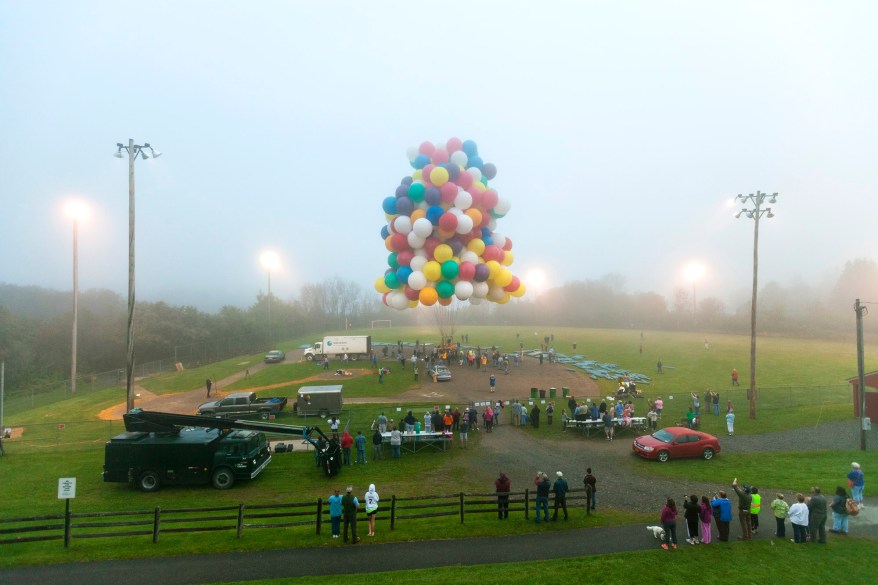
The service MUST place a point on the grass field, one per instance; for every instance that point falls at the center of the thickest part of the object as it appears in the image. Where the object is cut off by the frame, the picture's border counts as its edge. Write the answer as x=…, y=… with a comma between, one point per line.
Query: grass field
x=803, y=382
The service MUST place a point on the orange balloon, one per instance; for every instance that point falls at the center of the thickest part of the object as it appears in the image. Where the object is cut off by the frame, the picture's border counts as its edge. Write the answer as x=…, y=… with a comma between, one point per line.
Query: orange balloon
x=419, y=213
x=428, y=296
x=474, y=214
x=445, y=302
x=387, y=244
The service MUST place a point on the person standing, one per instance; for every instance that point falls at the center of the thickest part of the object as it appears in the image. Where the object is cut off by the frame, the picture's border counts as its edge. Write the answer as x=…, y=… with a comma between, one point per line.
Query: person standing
x=658, y=366
x=722, y=513
x=856, y=481
x=714, y=397
x=347, y=441
x=799, y=520
x=349, y=506
x=730, y=422
x=704, y=515
x=560, y=488
x=395, y=443
x=817, y=516
x=755, y=508
x=608, y=424
x=382, y=423
x=696, y=404
x=360, y=443
x=502, y=484
x=371, y=499
x=659, y=406
x=535, y=416
x=542, y=500
x=208, y=384
x=492, y=383
x=488, y=418
x=652, y=417
x=744, y=500
x=780, y=509
x=377, y=439
x=464, y=431
x=516, y=413
x=691, y=512
x=591, y=489
x=669, y=524
x=550, y=412
x=734, y=376
x=839, y=511
x=335, y=513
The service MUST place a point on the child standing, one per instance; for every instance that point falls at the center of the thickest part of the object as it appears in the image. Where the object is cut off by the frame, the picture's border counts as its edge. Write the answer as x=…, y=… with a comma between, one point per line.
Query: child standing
x=705, y=517
x=730, y=422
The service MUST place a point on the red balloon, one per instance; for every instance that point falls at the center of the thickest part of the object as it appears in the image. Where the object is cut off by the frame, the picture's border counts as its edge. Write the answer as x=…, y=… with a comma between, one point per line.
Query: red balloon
x=466, y=238
x=426, y=148
x=412, y=294
x=508, y=244
x=425, y=172
x=486, y=219
x=466, y=271
x=448, y=192
x=489, y=199
x=399, y=242
x=430, y=245
x=445, y=302
x=448, y=222
x=492, y=252
x=512, y=286
x=440, y=155
x=477, y=197
x=464, y=179
x=454, y=144
x=404, y=257
x=384, y=297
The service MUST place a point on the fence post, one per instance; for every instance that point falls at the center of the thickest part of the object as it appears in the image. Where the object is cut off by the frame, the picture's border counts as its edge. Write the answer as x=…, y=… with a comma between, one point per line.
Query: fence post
x=526, y=502
x=67, y=522
x=392, y=512
x=461, y=507
x=319, y=514
x=156, y=524
x=240, y=519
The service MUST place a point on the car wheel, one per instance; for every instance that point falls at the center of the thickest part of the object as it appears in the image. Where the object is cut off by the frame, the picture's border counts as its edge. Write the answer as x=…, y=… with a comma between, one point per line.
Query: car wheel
x=149, y=481
x=309, y=357
x=708, y=454
x=663, y=456
x=223, y=479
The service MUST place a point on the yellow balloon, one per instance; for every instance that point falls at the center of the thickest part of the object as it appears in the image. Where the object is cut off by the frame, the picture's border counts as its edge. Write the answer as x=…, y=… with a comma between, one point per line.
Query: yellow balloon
x=503, y=278
x=380, y=285
x=439, y=176
x=508, y=258
x=444, y=235
x=442, y=253
x=476, y=245
x=433, y=271
x=504, y=300
x=390, y=217
x=519, y=292
x=428, y=296
x=479, y=186
x=418, y=214
x=418, y=175
x=413, y=304
x=494, y=267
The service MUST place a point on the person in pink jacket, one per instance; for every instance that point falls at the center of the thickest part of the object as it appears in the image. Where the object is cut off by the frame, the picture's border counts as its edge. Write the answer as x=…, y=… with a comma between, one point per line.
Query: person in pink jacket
x=669, y=524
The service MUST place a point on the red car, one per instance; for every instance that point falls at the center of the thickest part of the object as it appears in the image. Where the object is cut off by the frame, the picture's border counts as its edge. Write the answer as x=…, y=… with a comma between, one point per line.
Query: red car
x=676, y=442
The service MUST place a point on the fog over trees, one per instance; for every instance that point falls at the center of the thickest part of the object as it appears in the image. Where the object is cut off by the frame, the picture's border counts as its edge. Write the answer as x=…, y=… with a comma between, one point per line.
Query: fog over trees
x=35, y=323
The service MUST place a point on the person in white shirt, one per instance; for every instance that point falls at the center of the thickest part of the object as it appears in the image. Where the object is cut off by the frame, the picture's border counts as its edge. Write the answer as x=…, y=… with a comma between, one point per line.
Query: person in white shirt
x=799, y=518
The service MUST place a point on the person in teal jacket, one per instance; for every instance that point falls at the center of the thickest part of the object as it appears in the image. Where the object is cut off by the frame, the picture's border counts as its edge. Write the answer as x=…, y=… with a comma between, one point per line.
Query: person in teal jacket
x=335, y=512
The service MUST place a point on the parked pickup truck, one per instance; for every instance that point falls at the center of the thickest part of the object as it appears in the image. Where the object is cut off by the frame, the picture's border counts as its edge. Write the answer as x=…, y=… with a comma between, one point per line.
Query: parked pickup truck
x=243, y=403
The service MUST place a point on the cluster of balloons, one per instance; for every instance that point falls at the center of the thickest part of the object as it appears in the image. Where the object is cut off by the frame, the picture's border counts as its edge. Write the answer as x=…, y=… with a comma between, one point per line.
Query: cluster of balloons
x=441, y=232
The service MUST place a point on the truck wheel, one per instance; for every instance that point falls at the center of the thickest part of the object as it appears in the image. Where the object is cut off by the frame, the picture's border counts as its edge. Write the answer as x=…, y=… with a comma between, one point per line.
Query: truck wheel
x=223, y=479
x=263, y=414
x=149, y=481
x=309, y=357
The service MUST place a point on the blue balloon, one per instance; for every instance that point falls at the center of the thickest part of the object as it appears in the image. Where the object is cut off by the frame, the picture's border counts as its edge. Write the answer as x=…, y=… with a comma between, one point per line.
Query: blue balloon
x=406, y=180
x=385, y=232
x=432, y=196
x=403, y=273
x=421, y=161
x=404, y=206
x=402, y=190
x=475, y=161
x=470, y=148
x=389, y=205
x=434, y=213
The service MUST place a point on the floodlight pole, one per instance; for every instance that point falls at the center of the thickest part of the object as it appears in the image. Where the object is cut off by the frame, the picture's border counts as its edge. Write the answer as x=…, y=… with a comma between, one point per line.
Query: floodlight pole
x=861, y=372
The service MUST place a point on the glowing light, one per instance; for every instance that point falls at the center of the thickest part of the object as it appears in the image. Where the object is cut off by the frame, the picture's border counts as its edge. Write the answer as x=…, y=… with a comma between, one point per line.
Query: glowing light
x=77, y=210
x=270, y=261
x=694, y=271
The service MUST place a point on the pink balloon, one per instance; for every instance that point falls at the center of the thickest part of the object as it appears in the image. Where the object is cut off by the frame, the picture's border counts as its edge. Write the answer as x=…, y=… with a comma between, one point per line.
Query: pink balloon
x=454, y=144
x=448, y=192
x=466, y=238
x=508, y=244
x=426, y=148
x=466, y=271
x=486, y=219
x=448, y=222
x=404, y=258
x=440, y=155
x=425, y=172
x=430, y=245
x=399, y=242
x=489, y=199
x=477, y=198
x=464, y=180
x=492, y=252
x=412, y=294
x=513, y=286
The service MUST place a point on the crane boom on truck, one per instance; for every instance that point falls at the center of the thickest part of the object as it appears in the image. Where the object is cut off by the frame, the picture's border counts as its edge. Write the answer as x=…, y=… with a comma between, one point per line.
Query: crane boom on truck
x=165, y=448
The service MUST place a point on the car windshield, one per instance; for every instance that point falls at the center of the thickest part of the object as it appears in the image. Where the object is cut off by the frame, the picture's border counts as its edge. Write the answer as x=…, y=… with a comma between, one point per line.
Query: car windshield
x=663, y=436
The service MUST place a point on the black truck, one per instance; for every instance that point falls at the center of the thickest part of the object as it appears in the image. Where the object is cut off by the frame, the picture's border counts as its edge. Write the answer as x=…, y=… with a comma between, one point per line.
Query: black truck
x=160, y=448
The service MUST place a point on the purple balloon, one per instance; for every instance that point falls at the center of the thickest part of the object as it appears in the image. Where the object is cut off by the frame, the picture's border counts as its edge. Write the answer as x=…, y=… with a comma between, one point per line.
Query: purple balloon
x=404, y=206
x=482, y=273
x=453, y=171
x=456, y=246
x=406, y=180
x=489, y=171
x=402, y=190
x=432, y=196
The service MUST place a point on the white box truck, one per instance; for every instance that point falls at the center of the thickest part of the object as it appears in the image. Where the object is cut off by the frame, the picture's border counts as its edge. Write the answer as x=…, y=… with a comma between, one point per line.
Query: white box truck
x=355, y=346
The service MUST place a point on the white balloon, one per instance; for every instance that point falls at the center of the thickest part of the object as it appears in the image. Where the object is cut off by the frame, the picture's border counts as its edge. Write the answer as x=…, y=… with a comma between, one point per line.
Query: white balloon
x=455, y=211
x=469, y=256
x=480, y=289
x=463, y=290
x=492, y=225
x=475, y=300
x=417, y=280
x=475, y=172
x=402, y=224
x=496, y=293
x=503, y=206
x=422, y=228
x=412, y=153
x=498, y=238
x=458, y=157
x=464, y=224
x=418, y=262
x=423, y=205
x=415, y=241
x=398, y=300
x=463, y=200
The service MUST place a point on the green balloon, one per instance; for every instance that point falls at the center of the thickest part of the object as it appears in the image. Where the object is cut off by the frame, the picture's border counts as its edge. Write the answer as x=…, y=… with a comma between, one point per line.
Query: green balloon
x=416, y=192
x=392, y=261
x=450, y=269
x=444, y=289
x=391, y=281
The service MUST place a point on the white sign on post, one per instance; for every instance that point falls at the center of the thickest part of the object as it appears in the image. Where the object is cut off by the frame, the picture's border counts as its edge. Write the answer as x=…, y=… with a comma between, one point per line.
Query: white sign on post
x=66, y=488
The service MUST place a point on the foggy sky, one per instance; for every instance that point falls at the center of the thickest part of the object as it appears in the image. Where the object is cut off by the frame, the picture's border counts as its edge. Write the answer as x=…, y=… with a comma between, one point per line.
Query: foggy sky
x=620, y=130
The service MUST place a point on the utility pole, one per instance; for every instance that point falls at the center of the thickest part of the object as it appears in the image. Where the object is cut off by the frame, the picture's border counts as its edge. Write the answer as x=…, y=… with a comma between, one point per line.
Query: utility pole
x=861, y=372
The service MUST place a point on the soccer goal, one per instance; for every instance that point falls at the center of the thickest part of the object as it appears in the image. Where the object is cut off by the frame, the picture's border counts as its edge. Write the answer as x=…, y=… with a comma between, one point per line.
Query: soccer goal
x=381, y=324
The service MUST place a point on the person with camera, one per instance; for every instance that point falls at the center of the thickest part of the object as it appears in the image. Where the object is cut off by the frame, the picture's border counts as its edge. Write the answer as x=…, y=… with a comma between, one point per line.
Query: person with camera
x=722, y=512
x=744, y=501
